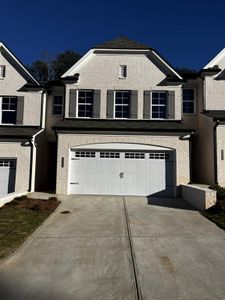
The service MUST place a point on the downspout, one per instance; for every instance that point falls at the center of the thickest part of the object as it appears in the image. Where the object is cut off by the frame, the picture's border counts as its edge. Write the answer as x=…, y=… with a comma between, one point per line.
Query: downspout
x=33, y=144
x=215, y=152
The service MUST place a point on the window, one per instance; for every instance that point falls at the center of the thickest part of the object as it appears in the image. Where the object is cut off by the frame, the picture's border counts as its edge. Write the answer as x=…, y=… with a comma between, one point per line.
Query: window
x=85, y=104
x=86, y=154
x=57, y=108
x=8, y=110
x=159, y=156
x=188, y=101
x=134, y=155
x=122, y=71
x=159, y=105
x=109, y=155
x=5, y=163
x=2, y=71
x=122, y=104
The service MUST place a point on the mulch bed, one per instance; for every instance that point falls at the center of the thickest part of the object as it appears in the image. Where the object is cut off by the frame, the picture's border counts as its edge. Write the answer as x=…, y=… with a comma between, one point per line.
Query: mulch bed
x=33, y=204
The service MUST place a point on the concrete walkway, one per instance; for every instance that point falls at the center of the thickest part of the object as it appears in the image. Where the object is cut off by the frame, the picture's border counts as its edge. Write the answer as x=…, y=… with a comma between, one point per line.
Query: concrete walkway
x=118, y=248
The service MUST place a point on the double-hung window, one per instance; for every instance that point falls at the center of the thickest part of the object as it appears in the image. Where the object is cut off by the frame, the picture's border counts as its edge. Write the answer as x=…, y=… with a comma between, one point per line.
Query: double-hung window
x=57, y=108
x=8, y=110
x=84, y=103
x=188, y=101
x=122, y=104
x=159, y=105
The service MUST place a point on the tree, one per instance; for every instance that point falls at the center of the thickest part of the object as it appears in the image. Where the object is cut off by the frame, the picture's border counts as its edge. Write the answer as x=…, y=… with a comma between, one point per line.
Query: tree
x=49, y=68
x=64, y=61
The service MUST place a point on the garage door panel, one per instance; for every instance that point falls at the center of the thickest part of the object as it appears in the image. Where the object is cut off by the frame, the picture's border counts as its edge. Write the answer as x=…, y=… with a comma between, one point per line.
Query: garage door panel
x=7, y=176
x=122, y=173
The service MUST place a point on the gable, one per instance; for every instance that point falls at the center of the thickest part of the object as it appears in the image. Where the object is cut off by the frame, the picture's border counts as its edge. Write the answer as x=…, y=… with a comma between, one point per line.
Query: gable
x=217, y=61
x=10, y=59
x=99, y=66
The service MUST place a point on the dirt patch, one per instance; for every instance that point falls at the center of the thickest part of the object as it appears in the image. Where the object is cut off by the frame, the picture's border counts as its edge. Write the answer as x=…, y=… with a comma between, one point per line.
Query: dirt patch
x=65, y=212
x=33, y=204
x=166, y=262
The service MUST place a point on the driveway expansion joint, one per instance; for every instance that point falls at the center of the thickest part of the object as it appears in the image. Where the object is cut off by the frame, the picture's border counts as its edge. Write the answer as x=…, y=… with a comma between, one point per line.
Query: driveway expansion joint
x=132, y=253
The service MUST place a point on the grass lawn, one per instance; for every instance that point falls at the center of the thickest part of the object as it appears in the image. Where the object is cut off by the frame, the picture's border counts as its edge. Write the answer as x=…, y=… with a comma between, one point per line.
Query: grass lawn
x=19, y=218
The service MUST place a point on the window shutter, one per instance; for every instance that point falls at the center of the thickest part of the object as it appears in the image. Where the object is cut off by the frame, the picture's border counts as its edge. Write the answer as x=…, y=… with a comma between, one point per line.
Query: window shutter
x=133, y=104
x=147, y=104
x=110, y=104
x=19, y=110
x=171, y=105
x=96, y=104
x=72, y=103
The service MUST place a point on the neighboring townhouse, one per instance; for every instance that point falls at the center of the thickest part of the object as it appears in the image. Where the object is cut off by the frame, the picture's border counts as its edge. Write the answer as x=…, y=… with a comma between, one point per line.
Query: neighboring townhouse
x=22, y=106
x=210, y=144
x=123, y=130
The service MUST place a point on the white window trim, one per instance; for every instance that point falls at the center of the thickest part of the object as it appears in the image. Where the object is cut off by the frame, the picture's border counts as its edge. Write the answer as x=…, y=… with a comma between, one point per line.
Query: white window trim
x=163, y=91
x=121, y=69
x=57, y=115
x=114, y=105
x=77, y=105
x=194, y=113
x=4, y=110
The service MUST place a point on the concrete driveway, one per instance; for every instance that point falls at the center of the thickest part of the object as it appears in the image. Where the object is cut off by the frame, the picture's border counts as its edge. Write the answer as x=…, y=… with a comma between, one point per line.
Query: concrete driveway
x=118, y=248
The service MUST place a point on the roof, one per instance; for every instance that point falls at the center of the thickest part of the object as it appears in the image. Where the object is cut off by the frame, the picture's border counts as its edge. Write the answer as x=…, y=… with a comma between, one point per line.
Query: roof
x=11, y=131
x=73, y=125
x=30, y=87
x=122, y=42
x=215, y=114
x=15, y=60
x=188, y=74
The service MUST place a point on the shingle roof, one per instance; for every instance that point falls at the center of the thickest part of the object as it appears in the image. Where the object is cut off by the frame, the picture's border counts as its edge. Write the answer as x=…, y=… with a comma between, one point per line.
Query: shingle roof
x=215, y=114
x=18, y=131
x=122, y=42
x=121, y=125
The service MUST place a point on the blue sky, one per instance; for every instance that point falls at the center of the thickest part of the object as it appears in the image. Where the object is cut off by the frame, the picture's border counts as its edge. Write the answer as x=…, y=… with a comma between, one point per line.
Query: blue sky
x=187, y=33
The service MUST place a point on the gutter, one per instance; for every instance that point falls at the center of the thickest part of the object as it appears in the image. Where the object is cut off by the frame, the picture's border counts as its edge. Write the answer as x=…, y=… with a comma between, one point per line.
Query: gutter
x=33, y=144
x=215, y=151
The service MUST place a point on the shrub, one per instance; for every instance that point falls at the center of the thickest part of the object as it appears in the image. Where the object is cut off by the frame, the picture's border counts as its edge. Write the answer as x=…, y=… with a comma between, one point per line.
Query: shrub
x=220, y=191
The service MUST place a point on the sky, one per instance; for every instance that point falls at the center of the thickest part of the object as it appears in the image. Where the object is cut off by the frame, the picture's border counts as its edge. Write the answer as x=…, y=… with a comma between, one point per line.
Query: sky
x=187, y=33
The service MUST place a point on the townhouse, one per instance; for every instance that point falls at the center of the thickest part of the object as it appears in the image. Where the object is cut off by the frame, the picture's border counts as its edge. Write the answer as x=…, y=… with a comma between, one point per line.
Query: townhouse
x=22, y=106
x=121, y=121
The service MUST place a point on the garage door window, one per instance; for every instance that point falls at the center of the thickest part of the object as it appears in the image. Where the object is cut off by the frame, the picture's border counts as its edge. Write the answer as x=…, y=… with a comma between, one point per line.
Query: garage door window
x=159, y=156
x=85, y=154
x=134, y=155
x=109, y=155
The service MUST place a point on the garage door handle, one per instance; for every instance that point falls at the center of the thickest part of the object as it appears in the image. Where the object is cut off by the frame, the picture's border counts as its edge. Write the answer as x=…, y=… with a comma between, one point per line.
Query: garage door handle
x=121, y=174
x=74, y=182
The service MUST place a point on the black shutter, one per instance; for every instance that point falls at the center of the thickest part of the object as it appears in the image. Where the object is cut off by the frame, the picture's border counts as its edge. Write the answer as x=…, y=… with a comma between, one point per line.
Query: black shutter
x=96, y=104
x=20, y=110
x=110, y=104
x=72, y=103
x=147, y=104
x=133, y=104
x=171, y=105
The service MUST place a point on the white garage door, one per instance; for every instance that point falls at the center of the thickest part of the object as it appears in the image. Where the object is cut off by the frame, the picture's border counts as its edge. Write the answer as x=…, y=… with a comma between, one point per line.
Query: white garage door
x=121, y=172
x=7, y=176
